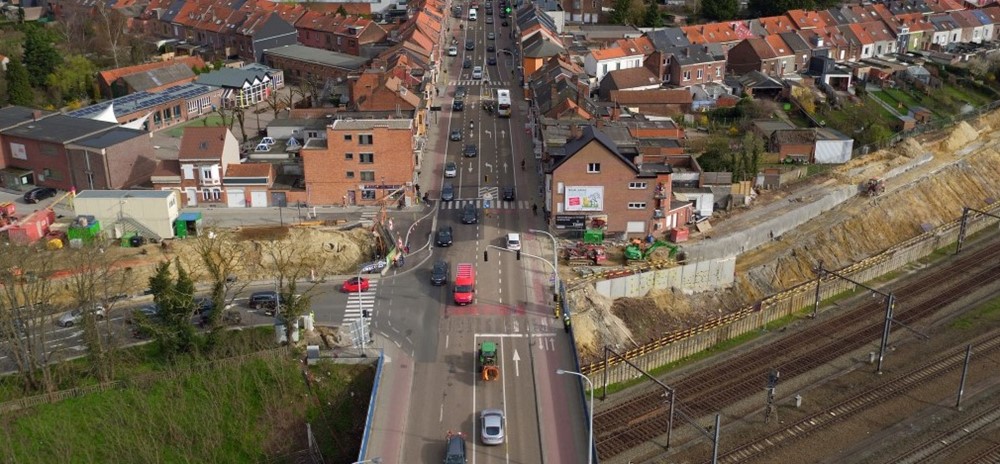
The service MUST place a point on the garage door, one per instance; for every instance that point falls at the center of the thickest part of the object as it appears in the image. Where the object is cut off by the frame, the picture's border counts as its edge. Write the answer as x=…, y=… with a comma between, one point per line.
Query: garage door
x=236, y=198
x=635, y=227
x=258, y=199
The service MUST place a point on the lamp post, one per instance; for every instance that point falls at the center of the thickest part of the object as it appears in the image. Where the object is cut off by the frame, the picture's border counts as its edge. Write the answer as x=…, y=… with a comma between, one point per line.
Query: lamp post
x=590, y=440
x=555, y=254
x=361, y=309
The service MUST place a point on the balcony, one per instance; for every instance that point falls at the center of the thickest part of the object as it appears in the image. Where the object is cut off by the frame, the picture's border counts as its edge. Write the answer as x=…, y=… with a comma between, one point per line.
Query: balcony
x=661, y=192
x=215, y=181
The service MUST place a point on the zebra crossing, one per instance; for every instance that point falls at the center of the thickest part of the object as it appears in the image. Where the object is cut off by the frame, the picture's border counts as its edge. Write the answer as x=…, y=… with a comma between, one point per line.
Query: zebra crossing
x=356, y=302
x=494, y=192
x=459, y=204
x=483, y=82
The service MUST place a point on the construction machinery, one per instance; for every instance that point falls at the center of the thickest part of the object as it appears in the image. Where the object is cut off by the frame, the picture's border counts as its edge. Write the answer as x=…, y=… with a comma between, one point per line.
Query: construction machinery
x=8, y=210
x=874, y=187
x=638, y=252
x=585, y=254
x=488, y=361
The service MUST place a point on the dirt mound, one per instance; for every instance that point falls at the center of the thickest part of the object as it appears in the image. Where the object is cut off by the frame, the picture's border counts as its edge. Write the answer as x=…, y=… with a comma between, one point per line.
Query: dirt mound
x=594, y=324
x=959, y=137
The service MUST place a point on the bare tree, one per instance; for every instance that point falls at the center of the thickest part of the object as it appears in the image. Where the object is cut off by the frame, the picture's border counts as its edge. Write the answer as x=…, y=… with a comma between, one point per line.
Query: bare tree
x=77, y=29
x=230, y=116
x=292, y=262
x=222, y=260
x=26, y=295
x=114, y=28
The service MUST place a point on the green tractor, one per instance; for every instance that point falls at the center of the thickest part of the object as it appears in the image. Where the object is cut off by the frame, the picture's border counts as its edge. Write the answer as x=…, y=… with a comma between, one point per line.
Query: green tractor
x=636, y=252
x=488, y=361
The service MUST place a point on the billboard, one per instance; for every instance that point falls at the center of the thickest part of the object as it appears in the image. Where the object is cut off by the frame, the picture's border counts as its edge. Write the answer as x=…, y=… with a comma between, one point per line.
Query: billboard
x=570, y=222
x=584, y=199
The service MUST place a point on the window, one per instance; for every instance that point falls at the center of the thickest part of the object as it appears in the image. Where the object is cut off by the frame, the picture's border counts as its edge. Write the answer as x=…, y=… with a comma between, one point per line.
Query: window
x=718, y=71
x=367, y=194
x=348, y=156
x=687, y=75
x=604, y=68
x=206, y=195
x=636, y=185
x=350, y=174
x=206, y=173
x=347, y=137
x=701, y=73
x=365, y=139
x=637, y=205
x=216, y=194
x=593, y=168
x=367, y=158
x=368, y=175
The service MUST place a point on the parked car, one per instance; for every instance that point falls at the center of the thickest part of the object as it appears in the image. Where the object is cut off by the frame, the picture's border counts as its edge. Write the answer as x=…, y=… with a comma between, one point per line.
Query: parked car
x=452, y=51
x=143, y=312
x=492, y=426
x=229, y=317
x=508, y=194
x=469, y=214
x=439, y=273
x=447, y=192
x=268, y=301
x=444, y=236
x=471, y=151
x=456, y=135
x=355, y=285
x=38, y=194
x=71, y=318
x=451, y=169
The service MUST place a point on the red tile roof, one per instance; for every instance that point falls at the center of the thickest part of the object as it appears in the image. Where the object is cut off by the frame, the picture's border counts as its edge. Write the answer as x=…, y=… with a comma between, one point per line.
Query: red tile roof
x=199, y=143
x=249, y=170
x=652, y=96
x=778, y=45
x=111, y=75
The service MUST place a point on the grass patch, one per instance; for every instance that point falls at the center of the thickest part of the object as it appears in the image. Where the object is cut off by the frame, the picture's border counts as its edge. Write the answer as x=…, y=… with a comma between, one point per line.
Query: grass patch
x=212, y=120
x=988, y=312
x=964, y=94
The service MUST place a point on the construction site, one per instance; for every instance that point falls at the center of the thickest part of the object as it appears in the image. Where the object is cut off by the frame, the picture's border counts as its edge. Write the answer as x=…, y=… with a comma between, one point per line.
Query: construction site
x=896, y=195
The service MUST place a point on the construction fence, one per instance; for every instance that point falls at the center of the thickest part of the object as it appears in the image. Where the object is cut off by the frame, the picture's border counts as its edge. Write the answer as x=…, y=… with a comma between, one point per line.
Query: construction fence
x=679, y=345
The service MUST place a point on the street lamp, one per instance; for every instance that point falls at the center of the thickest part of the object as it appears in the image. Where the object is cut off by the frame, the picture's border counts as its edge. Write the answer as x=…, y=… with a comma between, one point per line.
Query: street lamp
x=361, y=310
x=555, y=254
x=590, y=441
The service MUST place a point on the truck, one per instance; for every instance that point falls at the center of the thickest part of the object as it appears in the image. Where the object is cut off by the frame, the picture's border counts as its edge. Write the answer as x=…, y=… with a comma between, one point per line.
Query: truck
x=636, y=252
x=465, y=284
x=585, y=254
x=488, y=361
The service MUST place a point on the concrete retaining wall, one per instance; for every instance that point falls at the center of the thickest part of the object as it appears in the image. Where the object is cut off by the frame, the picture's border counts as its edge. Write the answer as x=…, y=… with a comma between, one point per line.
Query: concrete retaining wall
x=692, y=277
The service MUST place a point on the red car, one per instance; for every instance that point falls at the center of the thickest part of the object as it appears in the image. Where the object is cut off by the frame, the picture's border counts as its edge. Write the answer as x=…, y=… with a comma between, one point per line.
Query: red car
x=355, y=285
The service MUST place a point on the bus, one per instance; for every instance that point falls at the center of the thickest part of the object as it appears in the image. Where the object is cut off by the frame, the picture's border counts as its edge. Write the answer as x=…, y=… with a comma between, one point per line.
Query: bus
x=503, y=103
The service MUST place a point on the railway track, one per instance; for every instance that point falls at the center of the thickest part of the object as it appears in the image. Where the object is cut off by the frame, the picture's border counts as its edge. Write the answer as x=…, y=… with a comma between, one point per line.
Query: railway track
x=863, y=401
x=936, y=448
x=644, y=417
x=990, y=456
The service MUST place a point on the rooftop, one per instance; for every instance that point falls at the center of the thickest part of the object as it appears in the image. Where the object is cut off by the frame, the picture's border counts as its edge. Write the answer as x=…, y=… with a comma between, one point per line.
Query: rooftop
x=364, y=124
x=111, y=138
x=318, y=56
x=116, y=194
x=59, y=128
x=139, y=101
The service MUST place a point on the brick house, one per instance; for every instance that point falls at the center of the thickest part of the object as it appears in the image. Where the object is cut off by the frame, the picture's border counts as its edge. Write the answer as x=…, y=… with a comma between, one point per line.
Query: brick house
x=119, y=158
x=362, y=162
x=203, y=157
x=247, y=184
x=658, y=102
x=308, y=64
x=342, y=34
x=756, y=54
x=118, y=82
x=606, y=185
x=376, y=90
x=640, y=78
x=692, y=65
x=796, y=144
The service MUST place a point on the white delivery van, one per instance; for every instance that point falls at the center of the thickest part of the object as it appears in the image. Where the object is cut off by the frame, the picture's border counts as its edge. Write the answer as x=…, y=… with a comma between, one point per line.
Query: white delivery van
x=472, y=14
x=514, y=241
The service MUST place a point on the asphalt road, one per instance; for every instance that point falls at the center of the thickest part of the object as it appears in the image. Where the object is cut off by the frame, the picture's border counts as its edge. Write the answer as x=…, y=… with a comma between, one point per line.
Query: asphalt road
x=432, y=344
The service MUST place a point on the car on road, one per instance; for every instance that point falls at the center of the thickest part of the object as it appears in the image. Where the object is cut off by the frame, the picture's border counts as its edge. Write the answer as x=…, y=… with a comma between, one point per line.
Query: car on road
x=504, y=23
x=456, y=135
x=489, y=17
x=467, y=63
x=469, y=214
x=450, y=169
x=444, y=236
x=470, y=151
x=455, y=449
x=470, y=44
x=477, y=72
x=492, y=61
x=355, y=285
x=491, y=48
x=452, y=51
x=268, y=301
x=439, y=273
x=149, y=311
x=458, y=105
x=38, y=194
x=229, y=317
x=491, y=36
x=508, y=194
x=513, y=241
x=491, y=425
x=447, y=192
x=460, y=93
x=205, y=304
x=71, y=318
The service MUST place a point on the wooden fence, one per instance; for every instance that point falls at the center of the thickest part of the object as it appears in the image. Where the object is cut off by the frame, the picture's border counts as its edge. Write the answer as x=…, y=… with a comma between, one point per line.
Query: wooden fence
x=679, y=345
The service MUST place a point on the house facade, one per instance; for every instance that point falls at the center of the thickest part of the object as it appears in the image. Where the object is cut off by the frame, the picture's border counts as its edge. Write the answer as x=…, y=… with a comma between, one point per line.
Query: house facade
x=118, y=158
x=204, y=154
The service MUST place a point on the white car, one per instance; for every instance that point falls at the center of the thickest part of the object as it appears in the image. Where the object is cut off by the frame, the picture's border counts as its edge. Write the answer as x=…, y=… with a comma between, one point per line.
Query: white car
x=513, y=241
x=491, y=423
x=452, y=51
x=477, y=72
x=451, y=169
x=75, y=316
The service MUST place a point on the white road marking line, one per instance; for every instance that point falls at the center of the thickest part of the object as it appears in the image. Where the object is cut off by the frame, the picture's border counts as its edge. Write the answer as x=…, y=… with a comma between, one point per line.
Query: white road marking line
x=447, y=339
x=503, y=389
x=515, y=335
x=441, y=414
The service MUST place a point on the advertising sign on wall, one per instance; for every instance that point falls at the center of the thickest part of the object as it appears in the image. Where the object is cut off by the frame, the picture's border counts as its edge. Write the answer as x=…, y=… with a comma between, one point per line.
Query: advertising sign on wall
x=584, y=199
x=570, y=222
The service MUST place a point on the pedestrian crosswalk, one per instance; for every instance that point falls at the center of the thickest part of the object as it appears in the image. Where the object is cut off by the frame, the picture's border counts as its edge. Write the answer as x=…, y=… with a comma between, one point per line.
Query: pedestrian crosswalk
x=483, y=82
x=459, y=204
x=358, y=302
x=493, y=192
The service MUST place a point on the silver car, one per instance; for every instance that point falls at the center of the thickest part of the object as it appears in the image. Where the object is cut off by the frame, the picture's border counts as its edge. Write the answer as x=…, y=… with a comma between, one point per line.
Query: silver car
x=491, y=423
x=70, y=318
x=450, y=169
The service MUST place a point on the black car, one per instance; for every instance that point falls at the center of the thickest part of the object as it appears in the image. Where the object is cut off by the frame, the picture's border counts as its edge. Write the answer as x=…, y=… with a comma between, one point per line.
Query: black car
x=467, y=63
x=444, y=236
x=469, y=214
x=491, y=48
x=458, y=105
x=447, y=192
x=38, y=194
x=459, y=93
x=492, y=61
x=439, y=273
x=470, y=44
x=471, y=151
x=229, y=317
x=489, y=16
x=504, y=23
x=456, y=135
x=508, y=194
x=268, y=301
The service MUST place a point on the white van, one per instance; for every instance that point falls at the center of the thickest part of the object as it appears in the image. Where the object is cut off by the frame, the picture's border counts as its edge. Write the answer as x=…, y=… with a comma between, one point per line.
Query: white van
x=472, y=14
x=514, y=242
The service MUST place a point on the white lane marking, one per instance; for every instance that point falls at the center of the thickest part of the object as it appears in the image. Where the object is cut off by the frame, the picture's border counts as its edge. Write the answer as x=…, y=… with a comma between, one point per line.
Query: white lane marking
x=441, y=414
x=447, y=339
x=514, y=323
x=517, y=363
x=398, y=345
x=475, y=384
x=515, y=335
x=503, y=389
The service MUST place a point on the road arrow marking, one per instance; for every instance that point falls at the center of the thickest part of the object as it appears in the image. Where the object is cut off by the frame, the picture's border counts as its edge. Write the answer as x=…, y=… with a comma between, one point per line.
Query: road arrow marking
x=517, y=364
x=504, y=166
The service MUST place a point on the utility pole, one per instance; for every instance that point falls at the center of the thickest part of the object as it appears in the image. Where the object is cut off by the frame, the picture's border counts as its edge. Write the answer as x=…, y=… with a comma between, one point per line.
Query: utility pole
x=772, y=408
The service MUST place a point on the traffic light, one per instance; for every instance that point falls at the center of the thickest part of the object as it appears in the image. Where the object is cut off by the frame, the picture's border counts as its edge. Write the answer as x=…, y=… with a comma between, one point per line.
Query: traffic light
x=365, y=314
x=507, y=9
x=518, y=255
x=486, y=256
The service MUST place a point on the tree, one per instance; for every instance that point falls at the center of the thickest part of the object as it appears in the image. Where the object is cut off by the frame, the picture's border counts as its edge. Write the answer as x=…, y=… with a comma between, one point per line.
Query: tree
x=341, y=10
x=713, y=158
x=174, y=297
x=40, y=56
x=115, y=29
x=26, y=296
x=74, y=79
x=221, y=257
x=751, y=150
x=291, y=261
x=621, y=10
x=719, y=10
x=652, y=17
x=19, y=84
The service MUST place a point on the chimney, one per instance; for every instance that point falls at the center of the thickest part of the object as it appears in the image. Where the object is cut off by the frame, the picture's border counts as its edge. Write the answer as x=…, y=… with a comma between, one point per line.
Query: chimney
x=687, y=52
x=574, y=131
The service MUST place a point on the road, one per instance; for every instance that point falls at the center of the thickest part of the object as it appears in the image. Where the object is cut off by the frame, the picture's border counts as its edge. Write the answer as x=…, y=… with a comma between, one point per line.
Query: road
x=432, y=380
